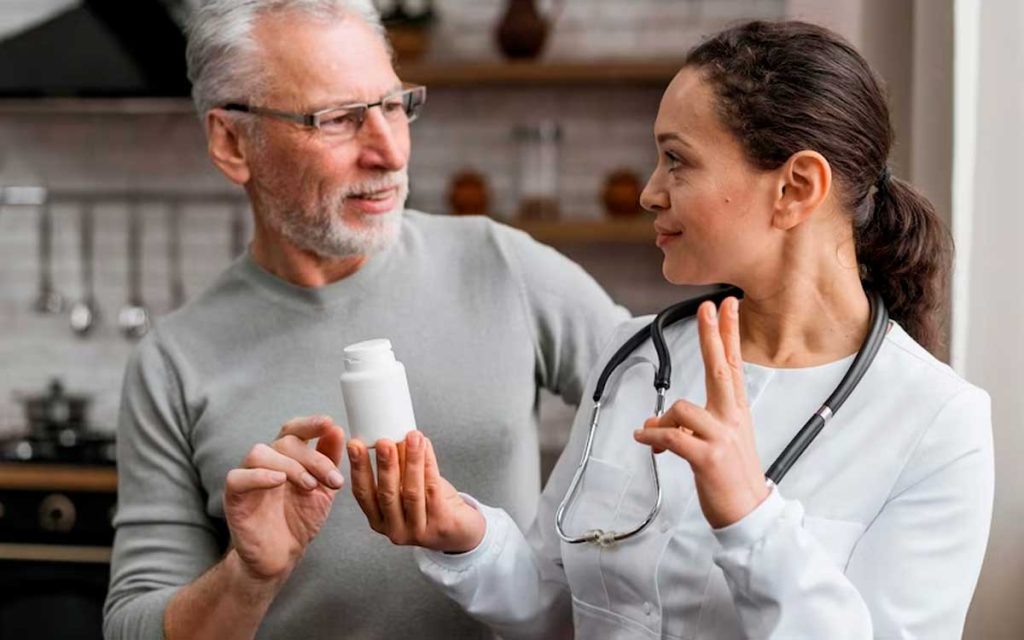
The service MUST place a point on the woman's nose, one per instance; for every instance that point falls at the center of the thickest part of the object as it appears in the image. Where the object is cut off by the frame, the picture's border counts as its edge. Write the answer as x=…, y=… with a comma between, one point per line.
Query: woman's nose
x=653, y=198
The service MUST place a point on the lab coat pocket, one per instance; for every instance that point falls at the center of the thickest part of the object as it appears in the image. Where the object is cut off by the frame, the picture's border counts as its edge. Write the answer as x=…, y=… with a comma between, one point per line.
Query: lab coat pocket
x=836, y=537
x=597, y=506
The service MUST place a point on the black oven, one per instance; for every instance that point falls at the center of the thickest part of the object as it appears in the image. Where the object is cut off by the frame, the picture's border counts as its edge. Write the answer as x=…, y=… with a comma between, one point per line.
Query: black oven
x=55, y=539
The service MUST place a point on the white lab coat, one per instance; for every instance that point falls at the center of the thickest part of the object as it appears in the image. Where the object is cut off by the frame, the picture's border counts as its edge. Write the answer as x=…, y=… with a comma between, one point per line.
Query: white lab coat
x=878, y=530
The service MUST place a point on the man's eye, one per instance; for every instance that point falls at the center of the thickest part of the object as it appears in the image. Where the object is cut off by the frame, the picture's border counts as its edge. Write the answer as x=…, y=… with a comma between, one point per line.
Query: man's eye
x=340, y=121
x=393, y=106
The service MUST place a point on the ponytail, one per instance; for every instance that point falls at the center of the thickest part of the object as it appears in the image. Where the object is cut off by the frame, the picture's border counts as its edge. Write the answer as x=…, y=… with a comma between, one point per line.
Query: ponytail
x=906, y=252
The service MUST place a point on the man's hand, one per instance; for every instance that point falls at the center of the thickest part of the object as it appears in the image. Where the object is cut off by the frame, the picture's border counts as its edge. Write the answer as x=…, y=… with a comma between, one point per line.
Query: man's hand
x=281, y=494
x=409, y=501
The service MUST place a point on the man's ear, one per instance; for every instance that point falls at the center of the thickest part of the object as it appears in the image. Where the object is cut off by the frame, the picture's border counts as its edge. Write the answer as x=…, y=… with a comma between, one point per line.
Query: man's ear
x=805, y=181
x=226, y=146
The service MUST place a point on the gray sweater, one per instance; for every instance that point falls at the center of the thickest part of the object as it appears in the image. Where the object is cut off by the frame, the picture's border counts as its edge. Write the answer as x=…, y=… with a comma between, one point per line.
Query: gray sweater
x=481, y=315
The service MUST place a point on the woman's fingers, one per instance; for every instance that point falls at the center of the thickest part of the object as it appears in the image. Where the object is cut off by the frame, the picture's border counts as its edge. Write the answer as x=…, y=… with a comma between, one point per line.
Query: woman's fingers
x=364, y=485
x=413, y=488
x=686, y=415
x=432, y=482
x=717, y=374
x=730, y=331
x=263, y=456
x=681, y=442
x=316, y=463
x=389, y=489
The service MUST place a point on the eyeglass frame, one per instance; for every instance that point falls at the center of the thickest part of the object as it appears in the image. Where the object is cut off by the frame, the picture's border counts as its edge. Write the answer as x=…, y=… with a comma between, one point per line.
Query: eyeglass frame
x=313, y=120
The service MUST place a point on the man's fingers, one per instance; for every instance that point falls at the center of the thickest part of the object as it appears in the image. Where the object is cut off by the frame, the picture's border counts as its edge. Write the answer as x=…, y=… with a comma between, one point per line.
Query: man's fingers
x=389, y=489
x=306, y=427
x=717, y=374
x=266, y=457
x=241, y=481
x=316, y=463
x=364, y=486
x=332, y=443
x=730, y=325
x=413, y=488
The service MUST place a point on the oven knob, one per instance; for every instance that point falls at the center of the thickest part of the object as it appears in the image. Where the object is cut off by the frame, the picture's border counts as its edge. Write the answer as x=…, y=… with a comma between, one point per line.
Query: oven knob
x=56, y=513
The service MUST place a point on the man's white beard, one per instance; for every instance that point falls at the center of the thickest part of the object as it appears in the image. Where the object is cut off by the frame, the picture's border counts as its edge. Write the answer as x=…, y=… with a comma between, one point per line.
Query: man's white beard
x=323, y=229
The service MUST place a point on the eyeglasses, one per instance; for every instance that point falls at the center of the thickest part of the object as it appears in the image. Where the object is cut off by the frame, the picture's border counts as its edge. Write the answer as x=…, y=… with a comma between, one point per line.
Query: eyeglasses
x=343, y=123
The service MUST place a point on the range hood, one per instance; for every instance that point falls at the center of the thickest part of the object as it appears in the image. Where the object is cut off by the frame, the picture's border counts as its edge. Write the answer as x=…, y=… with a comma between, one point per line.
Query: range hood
x=99, y=48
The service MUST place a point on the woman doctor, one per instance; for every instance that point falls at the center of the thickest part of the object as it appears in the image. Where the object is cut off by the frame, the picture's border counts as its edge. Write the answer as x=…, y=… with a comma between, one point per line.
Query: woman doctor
x=772, y=176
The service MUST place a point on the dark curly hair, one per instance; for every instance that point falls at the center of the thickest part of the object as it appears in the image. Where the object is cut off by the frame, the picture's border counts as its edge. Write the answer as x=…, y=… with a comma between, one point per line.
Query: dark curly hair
x=783, y=87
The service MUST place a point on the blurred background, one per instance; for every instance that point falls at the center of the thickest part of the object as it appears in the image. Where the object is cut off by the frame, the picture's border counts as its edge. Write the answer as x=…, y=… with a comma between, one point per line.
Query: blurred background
x=539, y=114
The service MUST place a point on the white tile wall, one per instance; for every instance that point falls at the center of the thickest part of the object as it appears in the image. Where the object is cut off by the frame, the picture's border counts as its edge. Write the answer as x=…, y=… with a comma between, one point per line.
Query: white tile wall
x=18, y=15
x=604, y=128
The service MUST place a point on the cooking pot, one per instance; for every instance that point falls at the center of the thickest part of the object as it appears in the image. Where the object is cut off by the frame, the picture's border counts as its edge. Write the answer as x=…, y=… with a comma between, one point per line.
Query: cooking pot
x=55, y=409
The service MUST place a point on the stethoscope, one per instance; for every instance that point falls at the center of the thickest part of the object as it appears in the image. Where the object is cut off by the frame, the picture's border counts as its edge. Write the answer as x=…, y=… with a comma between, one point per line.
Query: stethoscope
x=656, y=332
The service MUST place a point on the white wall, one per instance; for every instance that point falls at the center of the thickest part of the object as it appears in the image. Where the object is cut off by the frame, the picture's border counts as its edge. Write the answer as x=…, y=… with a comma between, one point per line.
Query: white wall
x=18, y=15
x=993, y=317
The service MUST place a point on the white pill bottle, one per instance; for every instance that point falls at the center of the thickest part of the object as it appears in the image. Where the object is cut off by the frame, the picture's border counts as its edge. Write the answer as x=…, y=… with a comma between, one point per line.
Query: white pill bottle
x=376, y=393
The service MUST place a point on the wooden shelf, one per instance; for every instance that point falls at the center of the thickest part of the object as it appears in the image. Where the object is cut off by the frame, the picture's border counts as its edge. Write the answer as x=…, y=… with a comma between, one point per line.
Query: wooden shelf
x=53, y=477
x=655, y=73
x=97, y=106
x=455, y=74
x=632, y=231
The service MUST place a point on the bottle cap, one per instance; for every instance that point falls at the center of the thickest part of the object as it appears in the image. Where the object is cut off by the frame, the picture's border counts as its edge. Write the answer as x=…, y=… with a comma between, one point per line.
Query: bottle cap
x=368, y=355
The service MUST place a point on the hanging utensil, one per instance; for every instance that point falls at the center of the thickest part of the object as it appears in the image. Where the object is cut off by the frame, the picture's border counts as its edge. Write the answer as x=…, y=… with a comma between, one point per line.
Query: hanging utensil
x=174, y=254
x=48, y=300
x=85, y=314
x=133, y=319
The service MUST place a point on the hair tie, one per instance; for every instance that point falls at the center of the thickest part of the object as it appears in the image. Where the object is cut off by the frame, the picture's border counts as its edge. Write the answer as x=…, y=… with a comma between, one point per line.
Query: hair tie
x=884, y=178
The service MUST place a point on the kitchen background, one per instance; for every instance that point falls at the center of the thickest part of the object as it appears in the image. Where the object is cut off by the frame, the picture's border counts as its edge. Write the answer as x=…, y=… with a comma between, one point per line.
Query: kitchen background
x=584, y=108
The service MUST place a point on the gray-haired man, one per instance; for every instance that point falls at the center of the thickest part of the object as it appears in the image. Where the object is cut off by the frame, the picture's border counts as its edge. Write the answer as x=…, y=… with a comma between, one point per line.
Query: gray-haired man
x=225, y=527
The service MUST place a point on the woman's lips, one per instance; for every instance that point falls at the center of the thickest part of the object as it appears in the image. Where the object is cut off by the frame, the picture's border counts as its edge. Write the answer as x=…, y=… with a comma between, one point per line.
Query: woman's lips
x=375, y=203
x=666, y=237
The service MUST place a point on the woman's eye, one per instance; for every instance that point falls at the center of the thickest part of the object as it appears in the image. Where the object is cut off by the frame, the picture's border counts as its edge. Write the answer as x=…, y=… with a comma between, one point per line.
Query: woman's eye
x=674, y=162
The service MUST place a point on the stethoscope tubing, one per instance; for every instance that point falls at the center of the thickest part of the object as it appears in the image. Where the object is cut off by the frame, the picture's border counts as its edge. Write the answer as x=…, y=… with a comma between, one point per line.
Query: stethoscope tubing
x=662, y=380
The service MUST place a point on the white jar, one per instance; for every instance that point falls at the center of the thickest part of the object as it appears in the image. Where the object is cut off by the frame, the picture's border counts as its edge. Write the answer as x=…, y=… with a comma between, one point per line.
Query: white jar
x=376, y=393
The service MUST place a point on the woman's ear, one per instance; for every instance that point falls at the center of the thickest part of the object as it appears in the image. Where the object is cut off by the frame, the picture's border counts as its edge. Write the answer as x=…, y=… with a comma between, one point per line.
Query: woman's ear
x=805, y=181
x=226, y=146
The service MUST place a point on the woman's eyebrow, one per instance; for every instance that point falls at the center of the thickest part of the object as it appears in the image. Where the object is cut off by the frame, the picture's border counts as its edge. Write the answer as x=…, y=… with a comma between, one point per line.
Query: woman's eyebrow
x=672, y=136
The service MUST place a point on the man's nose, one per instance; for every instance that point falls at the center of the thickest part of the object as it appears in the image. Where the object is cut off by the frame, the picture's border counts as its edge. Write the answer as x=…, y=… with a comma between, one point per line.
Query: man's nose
x=381, y=143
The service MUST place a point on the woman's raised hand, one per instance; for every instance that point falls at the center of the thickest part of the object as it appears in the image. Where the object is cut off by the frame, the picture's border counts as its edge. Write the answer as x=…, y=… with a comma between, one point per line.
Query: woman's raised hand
x=717, y=439
x=409, y=501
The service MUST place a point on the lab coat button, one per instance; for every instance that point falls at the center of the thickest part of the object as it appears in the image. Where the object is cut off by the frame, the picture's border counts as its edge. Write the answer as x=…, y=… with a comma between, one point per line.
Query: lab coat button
x=647, y=608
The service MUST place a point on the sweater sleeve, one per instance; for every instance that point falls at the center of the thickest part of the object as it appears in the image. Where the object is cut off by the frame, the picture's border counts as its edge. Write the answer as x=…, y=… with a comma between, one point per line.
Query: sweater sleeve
x=163, y=537
x=571, y=316
x=912, y=573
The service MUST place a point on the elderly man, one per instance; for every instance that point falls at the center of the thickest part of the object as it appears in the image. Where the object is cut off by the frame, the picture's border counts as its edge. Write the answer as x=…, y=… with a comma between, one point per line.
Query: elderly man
x=225, y=527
